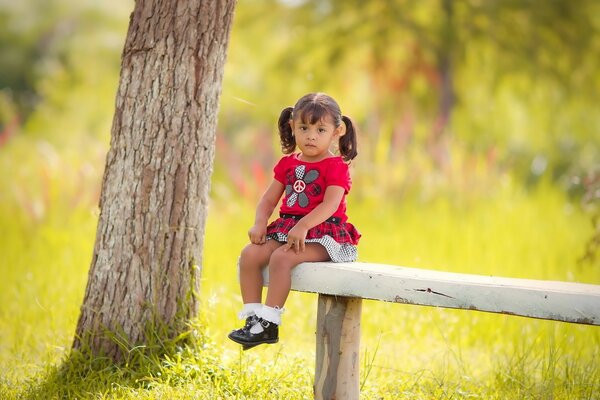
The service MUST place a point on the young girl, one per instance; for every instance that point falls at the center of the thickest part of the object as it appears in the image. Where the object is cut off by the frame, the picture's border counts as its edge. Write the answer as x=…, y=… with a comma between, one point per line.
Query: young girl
x=312, y=223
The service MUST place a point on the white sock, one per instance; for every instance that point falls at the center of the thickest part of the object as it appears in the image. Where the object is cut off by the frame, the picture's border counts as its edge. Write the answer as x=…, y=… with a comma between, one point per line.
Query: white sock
x=271, y=314
x=256, y=328
x=249, y=309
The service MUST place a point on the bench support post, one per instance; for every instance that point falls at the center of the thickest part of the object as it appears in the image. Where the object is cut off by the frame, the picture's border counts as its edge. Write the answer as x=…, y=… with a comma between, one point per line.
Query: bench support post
x=337, y=348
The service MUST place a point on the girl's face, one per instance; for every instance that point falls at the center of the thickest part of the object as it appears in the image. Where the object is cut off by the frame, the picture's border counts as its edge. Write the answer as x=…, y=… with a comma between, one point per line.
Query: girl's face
x=314, y=140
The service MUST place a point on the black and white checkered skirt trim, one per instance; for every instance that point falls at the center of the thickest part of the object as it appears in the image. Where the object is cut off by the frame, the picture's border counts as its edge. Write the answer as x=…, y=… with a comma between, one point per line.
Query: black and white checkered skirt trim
x=338, y=252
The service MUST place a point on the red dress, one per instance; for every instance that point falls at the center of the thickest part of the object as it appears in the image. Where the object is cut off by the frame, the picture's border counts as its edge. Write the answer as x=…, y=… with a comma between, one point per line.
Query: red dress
x=305, y=184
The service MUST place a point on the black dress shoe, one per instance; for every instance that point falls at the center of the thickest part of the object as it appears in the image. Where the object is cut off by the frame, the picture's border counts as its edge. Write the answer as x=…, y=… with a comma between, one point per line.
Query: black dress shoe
x=247, y=339
x=250, y=321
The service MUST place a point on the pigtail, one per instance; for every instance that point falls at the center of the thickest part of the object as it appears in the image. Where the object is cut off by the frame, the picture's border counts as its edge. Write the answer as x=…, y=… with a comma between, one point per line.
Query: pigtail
x=347, y=143
x=288, y=142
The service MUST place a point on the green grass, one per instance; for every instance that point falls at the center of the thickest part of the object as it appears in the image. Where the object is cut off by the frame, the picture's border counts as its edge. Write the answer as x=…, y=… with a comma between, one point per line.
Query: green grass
x=408, y=352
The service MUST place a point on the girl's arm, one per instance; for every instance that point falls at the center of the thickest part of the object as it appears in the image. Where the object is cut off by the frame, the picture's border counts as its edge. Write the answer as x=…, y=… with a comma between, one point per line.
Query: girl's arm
x=264, y=209
x=331, y=201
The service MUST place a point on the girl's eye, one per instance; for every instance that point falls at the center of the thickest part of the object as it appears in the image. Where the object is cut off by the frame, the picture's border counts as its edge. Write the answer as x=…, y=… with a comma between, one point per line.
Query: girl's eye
x=321, y=130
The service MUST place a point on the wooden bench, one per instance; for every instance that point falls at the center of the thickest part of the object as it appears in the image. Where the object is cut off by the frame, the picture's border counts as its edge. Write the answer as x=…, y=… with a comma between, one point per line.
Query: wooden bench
x=342, y=286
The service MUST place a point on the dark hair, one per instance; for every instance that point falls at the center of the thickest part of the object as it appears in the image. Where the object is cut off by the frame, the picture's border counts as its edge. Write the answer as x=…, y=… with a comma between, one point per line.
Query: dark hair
x=310, y=109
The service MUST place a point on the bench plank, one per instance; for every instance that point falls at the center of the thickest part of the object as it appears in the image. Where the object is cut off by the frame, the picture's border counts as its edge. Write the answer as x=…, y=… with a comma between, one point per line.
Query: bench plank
x=560, y=301
x=342, y=286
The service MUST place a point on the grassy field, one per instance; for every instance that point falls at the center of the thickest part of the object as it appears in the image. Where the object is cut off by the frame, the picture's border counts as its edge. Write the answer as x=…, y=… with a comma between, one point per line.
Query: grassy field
x=407, y=351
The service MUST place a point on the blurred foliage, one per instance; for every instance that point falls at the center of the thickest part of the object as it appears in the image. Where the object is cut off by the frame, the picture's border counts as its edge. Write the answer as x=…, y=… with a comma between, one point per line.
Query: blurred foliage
x=514, y=79
x=452, y=98
x=59, y=67
x=591, y=203
x=475, y=115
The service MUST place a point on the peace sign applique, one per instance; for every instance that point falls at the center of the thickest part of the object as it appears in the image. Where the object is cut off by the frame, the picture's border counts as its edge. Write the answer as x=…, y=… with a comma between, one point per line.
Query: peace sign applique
x=300, y=185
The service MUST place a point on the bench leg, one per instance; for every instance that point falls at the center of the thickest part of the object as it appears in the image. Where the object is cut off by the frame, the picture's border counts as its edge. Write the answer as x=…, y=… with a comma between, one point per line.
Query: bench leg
x=338, y=341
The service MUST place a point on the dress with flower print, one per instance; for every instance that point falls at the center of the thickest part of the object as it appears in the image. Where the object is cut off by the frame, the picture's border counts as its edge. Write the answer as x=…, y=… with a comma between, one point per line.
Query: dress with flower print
x=300, y=184
x=305, y=184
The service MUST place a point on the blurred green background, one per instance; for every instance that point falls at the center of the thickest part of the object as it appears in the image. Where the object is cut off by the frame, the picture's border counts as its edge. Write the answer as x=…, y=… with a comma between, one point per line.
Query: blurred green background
x=479, y=151
x=452, y=95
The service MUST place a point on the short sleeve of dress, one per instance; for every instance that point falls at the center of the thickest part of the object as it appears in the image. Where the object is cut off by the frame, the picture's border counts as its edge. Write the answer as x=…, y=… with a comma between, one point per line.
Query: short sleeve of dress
x=279, y=169
x=338, y=174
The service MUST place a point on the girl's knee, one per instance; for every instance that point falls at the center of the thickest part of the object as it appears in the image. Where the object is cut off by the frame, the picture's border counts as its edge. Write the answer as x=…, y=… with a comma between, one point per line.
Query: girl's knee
x=255, y=256
x=280, y=260
x=247, y=252
x=249, y=257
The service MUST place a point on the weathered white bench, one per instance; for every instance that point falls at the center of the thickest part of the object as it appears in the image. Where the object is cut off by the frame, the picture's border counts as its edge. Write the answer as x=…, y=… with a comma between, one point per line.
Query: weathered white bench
x=342, y=286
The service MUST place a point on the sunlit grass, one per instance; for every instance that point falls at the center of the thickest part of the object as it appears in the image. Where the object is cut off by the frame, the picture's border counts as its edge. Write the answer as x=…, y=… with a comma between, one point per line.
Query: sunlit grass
x=435, y=353
x=407, y=351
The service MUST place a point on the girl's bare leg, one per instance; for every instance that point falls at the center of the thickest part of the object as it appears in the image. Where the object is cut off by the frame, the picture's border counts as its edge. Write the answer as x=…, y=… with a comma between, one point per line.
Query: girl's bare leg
x=253, y=259
x=281, y=264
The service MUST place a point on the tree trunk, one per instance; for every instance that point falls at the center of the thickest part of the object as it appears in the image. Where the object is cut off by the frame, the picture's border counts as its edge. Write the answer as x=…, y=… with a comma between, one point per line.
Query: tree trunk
x=146, y=265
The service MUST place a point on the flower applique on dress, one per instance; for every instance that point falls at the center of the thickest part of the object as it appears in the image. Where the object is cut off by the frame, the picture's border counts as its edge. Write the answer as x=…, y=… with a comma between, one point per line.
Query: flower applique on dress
x=300, y=185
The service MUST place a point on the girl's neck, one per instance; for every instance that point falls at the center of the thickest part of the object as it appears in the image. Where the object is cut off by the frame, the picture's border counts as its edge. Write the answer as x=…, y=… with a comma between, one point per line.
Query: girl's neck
x=300, y=156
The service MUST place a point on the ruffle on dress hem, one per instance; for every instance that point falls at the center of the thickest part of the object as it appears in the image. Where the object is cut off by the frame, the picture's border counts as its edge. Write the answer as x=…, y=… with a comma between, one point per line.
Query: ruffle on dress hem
x=338, y=252
x=342, y=233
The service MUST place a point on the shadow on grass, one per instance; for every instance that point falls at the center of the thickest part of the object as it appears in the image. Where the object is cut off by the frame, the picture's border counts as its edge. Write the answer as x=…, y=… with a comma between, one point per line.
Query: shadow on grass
x=81, y=376
x=162, y=361
x=191, y=370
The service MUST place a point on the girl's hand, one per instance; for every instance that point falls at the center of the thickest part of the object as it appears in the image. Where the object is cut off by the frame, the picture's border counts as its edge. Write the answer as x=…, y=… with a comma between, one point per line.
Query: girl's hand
x=257, y=234
x=296, y=238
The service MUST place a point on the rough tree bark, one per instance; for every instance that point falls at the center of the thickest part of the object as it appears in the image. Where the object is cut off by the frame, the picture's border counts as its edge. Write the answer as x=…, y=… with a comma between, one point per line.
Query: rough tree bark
x=147, y=257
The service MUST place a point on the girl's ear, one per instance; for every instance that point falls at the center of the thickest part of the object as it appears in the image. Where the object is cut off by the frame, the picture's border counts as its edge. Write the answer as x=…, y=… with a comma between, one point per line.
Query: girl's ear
x=341, y=130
